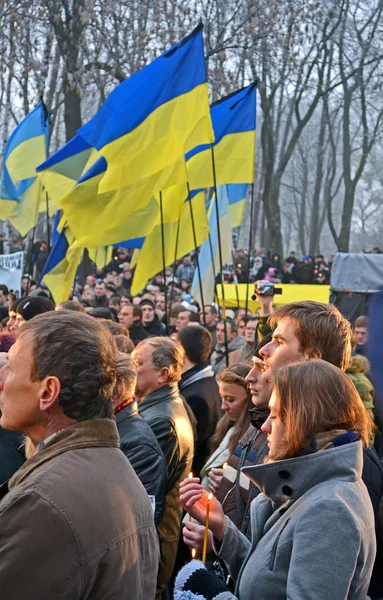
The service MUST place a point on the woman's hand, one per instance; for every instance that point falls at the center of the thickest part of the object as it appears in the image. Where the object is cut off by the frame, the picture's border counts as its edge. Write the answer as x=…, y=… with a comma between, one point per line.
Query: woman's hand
x=215, y=477
x=194, y=499
x=193, y=534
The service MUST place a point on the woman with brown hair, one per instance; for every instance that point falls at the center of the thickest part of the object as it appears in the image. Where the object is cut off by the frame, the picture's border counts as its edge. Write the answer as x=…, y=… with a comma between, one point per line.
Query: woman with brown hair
x=236, y=402
x=313, y=524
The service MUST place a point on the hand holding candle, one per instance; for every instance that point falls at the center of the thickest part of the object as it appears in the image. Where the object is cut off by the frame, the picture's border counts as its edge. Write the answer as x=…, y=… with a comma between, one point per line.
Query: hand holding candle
x=194, y=499
x=206, y=536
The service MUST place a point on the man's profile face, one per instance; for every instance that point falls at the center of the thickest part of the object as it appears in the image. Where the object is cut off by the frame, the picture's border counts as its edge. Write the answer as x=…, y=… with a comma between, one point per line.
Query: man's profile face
x=3, y=298
x=125, y=316
x=100, y=290
x=147, y=313
x=259, y=386
x=361, y=335
x=19, y=396
x=147, y=375
x=182, y=320
x=284, y=347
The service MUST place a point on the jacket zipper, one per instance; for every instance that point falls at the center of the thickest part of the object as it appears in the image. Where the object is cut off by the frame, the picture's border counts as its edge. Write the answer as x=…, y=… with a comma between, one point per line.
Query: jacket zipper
x=274, y=550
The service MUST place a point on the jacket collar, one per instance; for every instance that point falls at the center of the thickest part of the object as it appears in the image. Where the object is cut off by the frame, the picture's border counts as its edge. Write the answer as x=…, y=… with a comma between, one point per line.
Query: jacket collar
x=95, y=433
x=287, y=480
x=131, y=410
x=165, y=393
x=196, y=373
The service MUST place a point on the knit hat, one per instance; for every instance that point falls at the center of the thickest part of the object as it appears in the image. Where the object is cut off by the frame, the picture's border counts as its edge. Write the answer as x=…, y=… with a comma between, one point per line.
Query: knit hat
x=15, y=304
x=100, y=312
x=147, y=302
x=31, y=307
x=194, y=582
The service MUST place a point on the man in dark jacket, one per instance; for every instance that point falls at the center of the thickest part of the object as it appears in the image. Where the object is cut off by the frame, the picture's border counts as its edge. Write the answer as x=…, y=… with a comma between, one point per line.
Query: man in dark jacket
x=137, y=440
x=100, y=300
x=76, y=513
x=159, y=363
x=150, y=320
x=199, y=388
x=131, y=317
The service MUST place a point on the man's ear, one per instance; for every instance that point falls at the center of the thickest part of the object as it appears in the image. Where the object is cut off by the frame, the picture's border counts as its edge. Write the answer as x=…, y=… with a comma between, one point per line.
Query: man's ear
x=49, y=392
x=163, y=375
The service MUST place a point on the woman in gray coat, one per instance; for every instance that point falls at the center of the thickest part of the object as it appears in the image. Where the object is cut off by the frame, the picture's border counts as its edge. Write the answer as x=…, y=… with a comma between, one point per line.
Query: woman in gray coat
x=312, y=525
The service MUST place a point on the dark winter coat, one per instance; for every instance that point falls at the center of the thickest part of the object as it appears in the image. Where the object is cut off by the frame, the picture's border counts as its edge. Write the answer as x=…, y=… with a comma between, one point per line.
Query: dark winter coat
x=137, y=332
x=200, y=390
x=155, y=327
x=140, y=446
x=11, y=453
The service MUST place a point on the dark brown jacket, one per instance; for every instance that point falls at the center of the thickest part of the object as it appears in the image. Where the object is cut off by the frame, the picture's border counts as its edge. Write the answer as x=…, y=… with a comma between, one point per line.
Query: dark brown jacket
x=77, y=522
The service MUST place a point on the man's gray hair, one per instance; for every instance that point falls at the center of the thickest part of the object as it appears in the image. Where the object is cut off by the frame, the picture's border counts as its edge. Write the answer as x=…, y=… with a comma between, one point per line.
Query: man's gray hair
x=168, y=354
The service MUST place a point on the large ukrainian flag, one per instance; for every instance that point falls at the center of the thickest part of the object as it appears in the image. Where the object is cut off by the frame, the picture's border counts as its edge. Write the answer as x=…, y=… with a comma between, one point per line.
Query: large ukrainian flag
x=61, y=171
x=234, y=124
x=143, y=131
x=20, y=189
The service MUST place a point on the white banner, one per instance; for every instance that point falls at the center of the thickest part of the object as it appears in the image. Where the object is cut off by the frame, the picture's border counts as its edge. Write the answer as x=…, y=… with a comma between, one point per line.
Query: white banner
x=11, y=270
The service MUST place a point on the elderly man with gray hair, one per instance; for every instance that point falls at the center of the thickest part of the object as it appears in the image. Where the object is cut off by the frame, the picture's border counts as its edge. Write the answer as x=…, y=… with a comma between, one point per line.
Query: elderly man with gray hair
x=159, y=362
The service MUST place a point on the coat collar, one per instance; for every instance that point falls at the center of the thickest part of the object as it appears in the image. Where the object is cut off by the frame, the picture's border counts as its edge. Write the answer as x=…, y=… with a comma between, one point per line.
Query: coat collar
x=165, y=393
x=95, y=433
x=127, y=412
x=284, y=481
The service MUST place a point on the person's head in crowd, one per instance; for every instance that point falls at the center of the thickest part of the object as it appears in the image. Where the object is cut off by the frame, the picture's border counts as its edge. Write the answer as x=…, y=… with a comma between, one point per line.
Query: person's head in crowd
x=109, y=276
x=250, y=332
x=147, y=307
x=115, y=328
x=211, y=315
x=117, y=282
x=122, y=254
x=124, y=344
x=241, y=327
x=26, y=284
x=197, y=344
x=114, y=302
x=70, y=305
x=187, y=260
x=185, y=317
x=159, y=363
x=3, y=295
x=30, y=308
x=12, y=312
x=231, y=331
x=126, y=272
x=318, y=258
x=174, y=312
x=361, y=330
x=259, y=386
x=61, y=370
x=129, y=314
x=160, y=302
x=11, y=298
x=126, y=379
x=306, y=330
x=125, y=299
x=310, y=398
x=100, y=312
x=100, y=289
x=90, y=281
x=236, y=403
x=185, y=284
x=240, y=315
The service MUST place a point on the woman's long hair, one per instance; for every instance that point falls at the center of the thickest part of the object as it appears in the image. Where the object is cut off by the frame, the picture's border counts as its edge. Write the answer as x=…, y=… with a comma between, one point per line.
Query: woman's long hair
x=234, y=374
x=315, y=397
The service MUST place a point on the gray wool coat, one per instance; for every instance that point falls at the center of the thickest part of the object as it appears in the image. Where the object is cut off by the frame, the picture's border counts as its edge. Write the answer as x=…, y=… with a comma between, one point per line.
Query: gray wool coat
x=312, y=531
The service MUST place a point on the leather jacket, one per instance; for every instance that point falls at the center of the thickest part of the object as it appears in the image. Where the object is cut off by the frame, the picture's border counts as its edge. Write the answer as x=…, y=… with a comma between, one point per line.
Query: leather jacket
x=139, y=444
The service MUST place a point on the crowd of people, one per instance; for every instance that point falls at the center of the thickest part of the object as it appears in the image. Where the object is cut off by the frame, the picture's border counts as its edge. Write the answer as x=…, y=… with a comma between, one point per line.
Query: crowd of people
x=119, y=427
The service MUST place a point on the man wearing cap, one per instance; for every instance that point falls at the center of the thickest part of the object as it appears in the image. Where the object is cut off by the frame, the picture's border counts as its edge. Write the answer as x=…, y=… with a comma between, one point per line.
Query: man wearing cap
x=150, y=320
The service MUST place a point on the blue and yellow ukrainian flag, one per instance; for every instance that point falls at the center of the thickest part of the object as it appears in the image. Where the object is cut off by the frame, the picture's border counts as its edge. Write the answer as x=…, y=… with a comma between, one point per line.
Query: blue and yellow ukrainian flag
x=61, y=267
x=20, y=189
x=178, y=235
x=236, y=195
x=143, y=131
x=234, y=124
x=61, y=171
x=209, y=257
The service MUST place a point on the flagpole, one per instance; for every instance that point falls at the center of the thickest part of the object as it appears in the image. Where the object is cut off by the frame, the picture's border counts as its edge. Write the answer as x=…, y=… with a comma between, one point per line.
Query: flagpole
x=235, y=278
x=214, y=272
x=250, y=244
x=163, y=260
x=30, y=268
x=220, y=256
x=196, y=250
x=174, y=269
x=48, y=231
